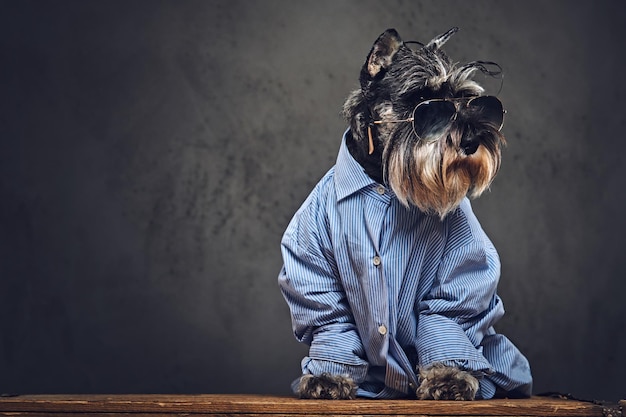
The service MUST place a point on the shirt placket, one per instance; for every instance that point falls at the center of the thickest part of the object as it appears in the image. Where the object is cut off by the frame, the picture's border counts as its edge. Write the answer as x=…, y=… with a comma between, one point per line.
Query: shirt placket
x=374, y=206
x=376, y=211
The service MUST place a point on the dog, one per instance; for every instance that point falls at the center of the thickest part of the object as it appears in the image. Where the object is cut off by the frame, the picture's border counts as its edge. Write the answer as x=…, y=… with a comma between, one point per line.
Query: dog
x=388, y=275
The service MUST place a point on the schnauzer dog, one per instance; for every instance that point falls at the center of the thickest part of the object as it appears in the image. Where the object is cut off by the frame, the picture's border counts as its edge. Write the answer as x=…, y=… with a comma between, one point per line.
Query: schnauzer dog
x=389, y=277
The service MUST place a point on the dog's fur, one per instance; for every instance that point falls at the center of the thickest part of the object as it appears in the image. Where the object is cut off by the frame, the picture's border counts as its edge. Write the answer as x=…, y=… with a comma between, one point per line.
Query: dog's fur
x=434, y=175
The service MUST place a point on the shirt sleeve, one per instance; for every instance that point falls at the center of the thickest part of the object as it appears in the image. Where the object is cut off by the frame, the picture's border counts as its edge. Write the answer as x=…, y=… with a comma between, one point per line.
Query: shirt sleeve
x=310, y=283
x=461, y=308
x=456, y=318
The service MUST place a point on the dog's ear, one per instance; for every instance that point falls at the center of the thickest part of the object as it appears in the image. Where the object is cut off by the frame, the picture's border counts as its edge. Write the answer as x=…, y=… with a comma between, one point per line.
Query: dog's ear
x=438, y=41
x=379, y=58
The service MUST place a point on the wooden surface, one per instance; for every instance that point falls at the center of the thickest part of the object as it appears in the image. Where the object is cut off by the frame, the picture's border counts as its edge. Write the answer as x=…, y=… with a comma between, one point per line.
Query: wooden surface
x=257, y=405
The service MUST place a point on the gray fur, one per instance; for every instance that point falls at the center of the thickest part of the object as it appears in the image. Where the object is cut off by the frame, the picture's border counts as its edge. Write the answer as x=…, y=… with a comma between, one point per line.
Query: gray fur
x=326, y=387
x=440, y=382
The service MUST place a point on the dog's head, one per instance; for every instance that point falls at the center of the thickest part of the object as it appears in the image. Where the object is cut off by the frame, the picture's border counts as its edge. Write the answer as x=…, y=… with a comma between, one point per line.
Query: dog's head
x=422, y=125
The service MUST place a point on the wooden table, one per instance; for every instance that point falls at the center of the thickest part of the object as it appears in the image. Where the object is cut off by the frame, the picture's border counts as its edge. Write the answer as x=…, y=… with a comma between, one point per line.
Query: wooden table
x=265, y=406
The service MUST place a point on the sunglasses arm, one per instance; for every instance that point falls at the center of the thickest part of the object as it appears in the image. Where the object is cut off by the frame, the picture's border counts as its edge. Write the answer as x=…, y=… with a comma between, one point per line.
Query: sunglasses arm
x=380, y=122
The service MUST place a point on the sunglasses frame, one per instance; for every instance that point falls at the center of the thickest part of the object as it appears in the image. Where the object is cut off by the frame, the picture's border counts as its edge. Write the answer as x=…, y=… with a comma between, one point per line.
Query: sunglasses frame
x=456, y=102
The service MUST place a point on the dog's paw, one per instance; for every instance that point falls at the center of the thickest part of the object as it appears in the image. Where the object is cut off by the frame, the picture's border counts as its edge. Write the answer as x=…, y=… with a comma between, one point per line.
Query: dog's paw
x=326, y=387
x=440, y=382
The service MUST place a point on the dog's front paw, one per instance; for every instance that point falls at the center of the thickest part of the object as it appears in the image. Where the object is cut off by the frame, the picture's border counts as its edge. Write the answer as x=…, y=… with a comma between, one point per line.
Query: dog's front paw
x=326, y=387
x=440, y=382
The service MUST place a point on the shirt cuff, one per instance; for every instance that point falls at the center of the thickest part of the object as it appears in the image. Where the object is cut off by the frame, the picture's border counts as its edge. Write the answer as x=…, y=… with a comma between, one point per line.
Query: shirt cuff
x=317, y=367
x=443, y=341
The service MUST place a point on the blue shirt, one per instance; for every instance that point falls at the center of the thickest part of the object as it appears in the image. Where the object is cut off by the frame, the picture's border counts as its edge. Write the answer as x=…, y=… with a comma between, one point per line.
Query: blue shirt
x=377, y=289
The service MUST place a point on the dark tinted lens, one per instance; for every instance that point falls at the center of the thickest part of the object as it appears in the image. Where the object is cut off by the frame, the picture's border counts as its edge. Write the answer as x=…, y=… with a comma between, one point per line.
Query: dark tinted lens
x=431, y=118
x=490, y=110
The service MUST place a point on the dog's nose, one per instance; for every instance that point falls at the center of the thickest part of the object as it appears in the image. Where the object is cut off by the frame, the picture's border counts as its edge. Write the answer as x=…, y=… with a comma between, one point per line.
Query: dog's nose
x=469, y=146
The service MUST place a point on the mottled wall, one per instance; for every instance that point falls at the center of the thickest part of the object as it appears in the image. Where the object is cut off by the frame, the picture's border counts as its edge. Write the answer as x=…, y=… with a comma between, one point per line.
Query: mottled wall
x=152, y=153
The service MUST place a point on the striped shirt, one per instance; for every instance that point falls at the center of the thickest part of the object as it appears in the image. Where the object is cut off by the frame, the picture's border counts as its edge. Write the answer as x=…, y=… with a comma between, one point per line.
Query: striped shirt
x=378, y=289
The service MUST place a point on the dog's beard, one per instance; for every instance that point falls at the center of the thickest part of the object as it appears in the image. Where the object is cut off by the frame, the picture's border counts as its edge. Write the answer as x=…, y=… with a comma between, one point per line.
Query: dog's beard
x=437, y=175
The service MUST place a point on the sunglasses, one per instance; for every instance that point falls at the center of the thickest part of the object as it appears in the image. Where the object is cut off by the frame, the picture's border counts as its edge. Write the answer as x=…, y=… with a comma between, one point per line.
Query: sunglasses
x=432, y=117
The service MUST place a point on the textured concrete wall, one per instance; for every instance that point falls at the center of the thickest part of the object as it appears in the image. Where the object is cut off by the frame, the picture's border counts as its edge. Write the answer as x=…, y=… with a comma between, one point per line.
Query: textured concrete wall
x=152, y=153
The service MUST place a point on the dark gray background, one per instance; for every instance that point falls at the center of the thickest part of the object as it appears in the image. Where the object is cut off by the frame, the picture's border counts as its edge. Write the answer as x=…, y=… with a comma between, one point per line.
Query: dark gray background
x=153, y=152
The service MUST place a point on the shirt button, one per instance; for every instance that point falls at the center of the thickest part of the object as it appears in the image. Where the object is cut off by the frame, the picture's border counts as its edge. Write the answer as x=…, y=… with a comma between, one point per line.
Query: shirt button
x=382, y=329
x=376, y=260
x=380, y=190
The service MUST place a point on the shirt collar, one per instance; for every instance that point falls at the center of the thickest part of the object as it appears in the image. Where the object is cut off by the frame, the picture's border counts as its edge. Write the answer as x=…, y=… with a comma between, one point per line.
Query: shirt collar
x=350, y=176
